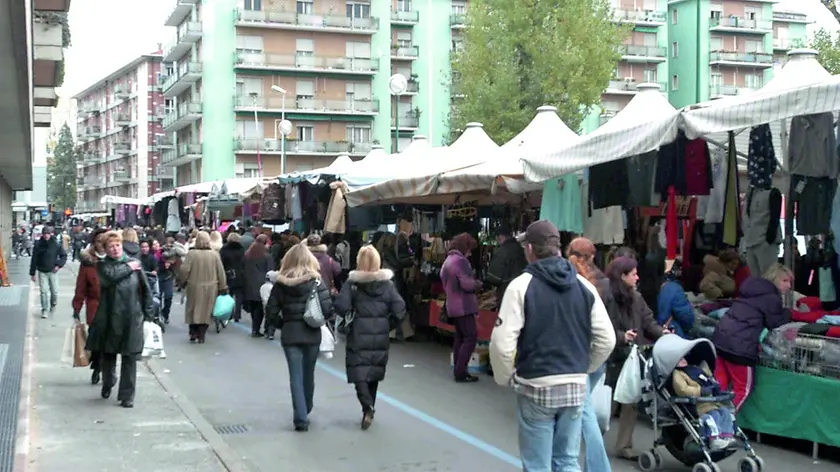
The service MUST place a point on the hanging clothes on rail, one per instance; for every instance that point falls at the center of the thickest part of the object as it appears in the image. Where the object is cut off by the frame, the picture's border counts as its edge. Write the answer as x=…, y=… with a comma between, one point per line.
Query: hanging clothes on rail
x=561, y=203
x=761, y=228
x=814, y=197
x=601, y=226
x=609, y=184
x=641, y=172
x=813, y=146
x=761, y=157
x=710, y=208
x=685, y=164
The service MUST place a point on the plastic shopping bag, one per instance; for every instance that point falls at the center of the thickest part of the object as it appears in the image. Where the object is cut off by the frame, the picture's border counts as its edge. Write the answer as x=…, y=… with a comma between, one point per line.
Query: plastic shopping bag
x=69, y=343
x=152, y=340
x=602, y=404
x=327, y=342
x=223, y=307
x=628, y=388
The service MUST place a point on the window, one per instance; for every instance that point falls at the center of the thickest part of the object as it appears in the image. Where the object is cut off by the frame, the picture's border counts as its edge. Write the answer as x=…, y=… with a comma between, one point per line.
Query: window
x=675, y=49
x=358, y=91
x=675, y=83
x=457, y=43
x=304, y=47
x=716, y=43
x=674, y=16
x=650, y=75
x=305, y=132
x=403, y=5
x=305, y=90
x=716, y=80
x=304, y=7
x=245, y=171
x=248, y=129
x=715, y=11
x=404, y=39
x=358, y=10
x=459, y=7
x=358, y=134
x=650, y=39
x=249, y=44
x=753, y=81
x=755, y=46
x=247, y=85
x=253, y=5
x=358, y=50
x=751, y=13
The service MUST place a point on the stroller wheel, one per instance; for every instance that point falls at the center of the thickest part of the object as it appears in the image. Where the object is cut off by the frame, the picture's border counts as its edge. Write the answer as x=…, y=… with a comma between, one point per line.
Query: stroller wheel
x=760, y=463
x=650, y=460
x=701, y=467
x=748, y=464
x=715, y=467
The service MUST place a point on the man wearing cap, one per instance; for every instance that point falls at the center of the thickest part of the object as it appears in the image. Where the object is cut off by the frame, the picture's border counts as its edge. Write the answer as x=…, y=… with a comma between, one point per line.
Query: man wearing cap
x=552, y=330
x=508, y=261
x=48, y=256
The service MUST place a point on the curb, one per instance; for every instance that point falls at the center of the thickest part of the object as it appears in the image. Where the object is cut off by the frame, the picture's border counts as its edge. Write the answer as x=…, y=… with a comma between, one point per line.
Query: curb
x=229, y=459
x=21, y=461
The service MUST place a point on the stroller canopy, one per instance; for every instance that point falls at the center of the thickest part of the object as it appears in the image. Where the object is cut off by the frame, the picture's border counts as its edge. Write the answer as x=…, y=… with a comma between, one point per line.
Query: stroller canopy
x=669, y=349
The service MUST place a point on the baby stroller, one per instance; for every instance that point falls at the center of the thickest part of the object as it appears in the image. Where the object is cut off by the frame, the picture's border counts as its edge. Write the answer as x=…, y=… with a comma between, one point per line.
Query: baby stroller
x=675, y=421
x=156, y=318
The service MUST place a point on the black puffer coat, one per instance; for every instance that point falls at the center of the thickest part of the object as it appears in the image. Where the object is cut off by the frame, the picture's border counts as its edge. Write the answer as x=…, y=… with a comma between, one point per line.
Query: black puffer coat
x=287, y=304
x=125, y=301
x=233, y=258
x=379, y=308
x=255, y=270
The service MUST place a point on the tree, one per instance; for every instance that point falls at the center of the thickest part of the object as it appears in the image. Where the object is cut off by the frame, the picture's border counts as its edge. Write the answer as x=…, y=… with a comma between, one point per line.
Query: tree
x=832, y=7
x=519, y=55
x=61, y=171
x=828, y=47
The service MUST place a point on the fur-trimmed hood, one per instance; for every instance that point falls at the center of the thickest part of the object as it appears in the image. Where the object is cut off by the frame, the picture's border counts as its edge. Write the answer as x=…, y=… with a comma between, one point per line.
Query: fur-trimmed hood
x=297, y=286
x=88, y=257
x=361, y=277
x=294, y=281
x=319, y=248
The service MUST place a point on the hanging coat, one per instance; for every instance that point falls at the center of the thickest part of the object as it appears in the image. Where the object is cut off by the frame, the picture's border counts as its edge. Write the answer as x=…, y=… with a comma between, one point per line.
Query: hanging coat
x=173, y=217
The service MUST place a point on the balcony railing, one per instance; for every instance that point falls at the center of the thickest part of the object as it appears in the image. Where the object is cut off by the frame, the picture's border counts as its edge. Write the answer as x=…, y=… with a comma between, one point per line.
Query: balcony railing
x=787, y=43
x=301, y=147
x=790, y=16
x=184, y=110
x=643, y=51
x=122, y=119
x=639, y=16
x=189, y=149
x=122, y=93
x=457, y=20
x=405, y=51
x=188, y=72
x=606, y=116
x=294, y=61
x=309, y=104
x=406, y=121
x=293, y=19
x=122, y=147
x=758, y=58
x=90, y=158
x=91, y=132
x=89, y=108
x=122, y=175
x=721, y=90
x=413, y=86
x=741, y=23
x=405, y=16
x=631, y=86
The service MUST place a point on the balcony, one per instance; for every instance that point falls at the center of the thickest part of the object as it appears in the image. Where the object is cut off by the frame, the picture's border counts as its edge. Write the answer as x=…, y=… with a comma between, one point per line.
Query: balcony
x=184, y=154
x=405, y=18
x=289, y=20
x=163, y=173
x=185, y=115
x=187, y=74
x=162, y=143
x=121, y=93
x=407, y=122
x=182, y=10
x=606, y=116
x=274, y=104
x=636, y=53
x=188, y=34
x=122, y=148
x=405, y=52
x=90, y=133
x=413, y=87
x=640, y=17
x=122, y=119
x=89, y=158
x=740, y=25
x=91, y=108
x=121, y=176
x=293, y=146
x=630, y=87
x=458, y=20
x=790, y=17
x=721, y=90
x=786, y=44
x=298, y=63
x=90, y=182
x=747, y=59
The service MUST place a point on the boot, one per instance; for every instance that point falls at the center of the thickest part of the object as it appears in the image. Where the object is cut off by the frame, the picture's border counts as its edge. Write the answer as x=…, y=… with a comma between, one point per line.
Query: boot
x=367, y=419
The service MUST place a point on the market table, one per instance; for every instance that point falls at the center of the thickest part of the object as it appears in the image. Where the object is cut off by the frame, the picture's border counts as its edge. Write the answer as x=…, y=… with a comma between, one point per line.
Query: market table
x=793, y=405
x=485, y=320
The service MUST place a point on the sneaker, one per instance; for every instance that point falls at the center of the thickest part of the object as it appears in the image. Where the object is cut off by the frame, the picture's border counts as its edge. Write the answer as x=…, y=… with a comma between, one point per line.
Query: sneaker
x=52, y=310
x=44, y=315
x=718, y=444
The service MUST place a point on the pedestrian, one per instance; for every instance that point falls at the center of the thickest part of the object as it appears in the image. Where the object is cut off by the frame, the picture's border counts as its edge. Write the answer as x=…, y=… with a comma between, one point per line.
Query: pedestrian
x=48, y=257
x=147, y=258
x=461, y=306
x=257, y=263
x=204, y=275
x=299, y=277
x=507, y=263
x=547, y=303
x=329, y=267
x=377, y=307
x=88, y=292
x=131, y=243
x=167, y=270
x=125, y=302
x=233, y=260
x=251, y=235
x=216, y=242
x=78, y=242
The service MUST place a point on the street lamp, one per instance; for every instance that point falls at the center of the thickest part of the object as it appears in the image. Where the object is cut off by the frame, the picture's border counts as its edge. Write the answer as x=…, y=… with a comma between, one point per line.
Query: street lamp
x=285, y=126
x=397, y=85
x=256, y=131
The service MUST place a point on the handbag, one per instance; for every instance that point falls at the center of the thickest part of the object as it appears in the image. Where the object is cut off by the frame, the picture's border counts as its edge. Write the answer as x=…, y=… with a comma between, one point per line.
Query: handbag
x=343, y=323
x=313, y=316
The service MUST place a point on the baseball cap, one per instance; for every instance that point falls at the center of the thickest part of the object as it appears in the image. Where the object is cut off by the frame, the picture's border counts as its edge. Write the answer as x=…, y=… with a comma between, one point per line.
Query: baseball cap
x=541, y=232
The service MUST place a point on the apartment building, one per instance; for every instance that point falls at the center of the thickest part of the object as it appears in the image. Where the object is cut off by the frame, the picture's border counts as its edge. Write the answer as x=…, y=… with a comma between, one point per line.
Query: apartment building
x=789, y=32
x=120, y=134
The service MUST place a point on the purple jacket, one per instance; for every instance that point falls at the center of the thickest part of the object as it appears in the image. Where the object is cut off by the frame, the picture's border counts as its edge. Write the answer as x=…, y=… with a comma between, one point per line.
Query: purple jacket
x=329, y=267
x=459, y=284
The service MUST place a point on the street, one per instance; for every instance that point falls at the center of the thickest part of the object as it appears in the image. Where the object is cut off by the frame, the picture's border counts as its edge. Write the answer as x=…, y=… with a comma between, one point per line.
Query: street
x=225, y=405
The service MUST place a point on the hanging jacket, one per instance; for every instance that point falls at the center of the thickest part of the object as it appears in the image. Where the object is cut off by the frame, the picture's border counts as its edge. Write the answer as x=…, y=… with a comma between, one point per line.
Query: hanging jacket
x=173, y=216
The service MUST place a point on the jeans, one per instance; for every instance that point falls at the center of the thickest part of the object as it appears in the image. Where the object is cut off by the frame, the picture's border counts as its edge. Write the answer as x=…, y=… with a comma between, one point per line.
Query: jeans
x=595, y=457
x=465, y=339
x=549, y=438
x=366, y=393
x=48, y=285
x=166, y=289
x=718, y=423
x=301, y=361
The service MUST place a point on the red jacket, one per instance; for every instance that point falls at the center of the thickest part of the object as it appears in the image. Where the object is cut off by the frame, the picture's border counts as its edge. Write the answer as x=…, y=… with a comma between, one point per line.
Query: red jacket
x=87, y=286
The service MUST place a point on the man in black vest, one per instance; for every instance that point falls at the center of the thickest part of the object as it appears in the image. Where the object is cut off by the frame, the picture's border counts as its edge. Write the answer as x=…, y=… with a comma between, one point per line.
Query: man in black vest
x=552, y=330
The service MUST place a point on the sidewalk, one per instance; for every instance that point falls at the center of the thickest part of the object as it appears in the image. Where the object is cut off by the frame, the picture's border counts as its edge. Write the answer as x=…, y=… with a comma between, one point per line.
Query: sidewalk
x=71, y=428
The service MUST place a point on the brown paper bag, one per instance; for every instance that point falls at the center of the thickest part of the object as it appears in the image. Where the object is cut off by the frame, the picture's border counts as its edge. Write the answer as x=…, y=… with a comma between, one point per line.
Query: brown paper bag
x=81, y=358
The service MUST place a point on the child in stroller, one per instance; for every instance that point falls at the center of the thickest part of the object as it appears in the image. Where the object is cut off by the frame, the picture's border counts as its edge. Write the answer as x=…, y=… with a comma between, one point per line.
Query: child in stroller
x=675, y=410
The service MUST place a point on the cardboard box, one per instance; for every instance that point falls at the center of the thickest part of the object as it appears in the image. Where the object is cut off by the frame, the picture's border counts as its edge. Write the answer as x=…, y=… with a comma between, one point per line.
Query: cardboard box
x=479, y=361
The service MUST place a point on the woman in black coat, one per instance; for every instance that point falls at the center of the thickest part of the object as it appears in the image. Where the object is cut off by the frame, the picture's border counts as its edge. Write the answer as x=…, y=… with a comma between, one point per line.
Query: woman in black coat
x=257, y=263
x=299, y=277
x=377, y=308
x=125, y=301
x=233, y=260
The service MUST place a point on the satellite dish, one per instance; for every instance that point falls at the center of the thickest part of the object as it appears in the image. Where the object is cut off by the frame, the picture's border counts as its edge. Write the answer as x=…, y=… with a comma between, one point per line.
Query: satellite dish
x=285, y=127
x=397, y=84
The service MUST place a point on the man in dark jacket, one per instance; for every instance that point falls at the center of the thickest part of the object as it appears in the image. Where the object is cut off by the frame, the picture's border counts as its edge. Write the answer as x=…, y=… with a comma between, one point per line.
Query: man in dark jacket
x=507, y=263
x=78, y=240
x=48, y=257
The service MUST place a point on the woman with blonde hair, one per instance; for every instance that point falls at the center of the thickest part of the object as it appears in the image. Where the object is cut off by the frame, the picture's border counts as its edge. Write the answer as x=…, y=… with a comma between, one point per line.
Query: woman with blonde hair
x=378, y=307
x=204, y=275
x=216, y=242
x=131, y=243
x=297, y=280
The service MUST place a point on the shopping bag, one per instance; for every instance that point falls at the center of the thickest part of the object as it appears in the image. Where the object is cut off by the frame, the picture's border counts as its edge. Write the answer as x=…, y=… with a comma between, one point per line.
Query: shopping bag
x=628, y=387
x=69, y=342
x=223, y=307
x=152, y=340
x=327, y=342
x=81, y=358
x=602, y=404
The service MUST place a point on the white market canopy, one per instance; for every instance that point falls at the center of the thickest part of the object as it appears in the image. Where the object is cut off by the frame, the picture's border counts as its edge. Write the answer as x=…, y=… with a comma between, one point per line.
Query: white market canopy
x=341, y=165
x=645, y=124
